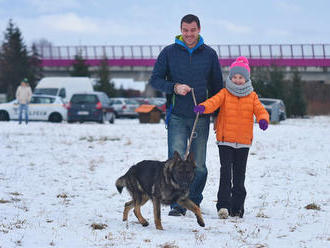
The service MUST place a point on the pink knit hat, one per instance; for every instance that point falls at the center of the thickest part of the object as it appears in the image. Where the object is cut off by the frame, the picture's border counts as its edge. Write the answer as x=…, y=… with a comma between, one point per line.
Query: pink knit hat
x=240, y=66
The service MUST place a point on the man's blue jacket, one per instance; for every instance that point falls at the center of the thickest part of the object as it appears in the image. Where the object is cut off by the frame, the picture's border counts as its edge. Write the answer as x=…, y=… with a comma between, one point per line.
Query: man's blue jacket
x=197, y=67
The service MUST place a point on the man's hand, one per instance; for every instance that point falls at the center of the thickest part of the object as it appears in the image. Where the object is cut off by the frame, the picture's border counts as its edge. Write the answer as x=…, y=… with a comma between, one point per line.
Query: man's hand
x=181, y=89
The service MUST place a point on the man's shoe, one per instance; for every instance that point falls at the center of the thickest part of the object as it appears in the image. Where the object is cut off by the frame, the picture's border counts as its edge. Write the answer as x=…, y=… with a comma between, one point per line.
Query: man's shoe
x=177, y=212
x=223, y=213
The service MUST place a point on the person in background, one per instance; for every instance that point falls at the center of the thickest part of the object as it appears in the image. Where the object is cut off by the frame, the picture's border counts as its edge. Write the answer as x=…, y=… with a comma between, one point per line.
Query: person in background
x=23, y=96
x=234, y=132
x=186, y=64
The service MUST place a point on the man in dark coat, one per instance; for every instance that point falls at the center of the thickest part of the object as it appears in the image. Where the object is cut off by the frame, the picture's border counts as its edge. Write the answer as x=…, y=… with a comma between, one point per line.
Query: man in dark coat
x=187, y=64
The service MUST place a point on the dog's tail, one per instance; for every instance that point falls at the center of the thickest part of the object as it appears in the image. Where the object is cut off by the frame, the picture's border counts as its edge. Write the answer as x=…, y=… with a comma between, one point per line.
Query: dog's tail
x=120, y=184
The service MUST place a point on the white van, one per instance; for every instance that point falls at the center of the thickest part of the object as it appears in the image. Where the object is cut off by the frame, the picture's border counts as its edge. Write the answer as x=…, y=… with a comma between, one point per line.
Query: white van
x=64, y=87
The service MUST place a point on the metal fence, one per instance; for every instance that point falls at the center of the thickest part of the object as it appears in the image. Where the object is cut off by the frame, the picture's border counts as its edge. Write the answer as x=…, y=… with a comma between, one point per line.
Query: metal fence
x=285, y=51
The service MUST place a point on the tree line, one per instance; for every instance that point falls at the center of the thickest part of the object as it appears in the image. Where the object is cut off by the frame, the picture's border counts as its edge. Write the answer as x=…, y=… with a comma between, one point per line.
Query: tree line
x=17, y=63
x=269, y=82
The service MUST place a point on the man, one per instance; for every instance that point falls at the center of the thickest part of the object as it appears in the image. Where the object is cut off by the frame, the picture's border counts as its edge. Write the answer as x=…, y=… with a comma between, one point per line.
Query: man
x=187, y=64
x=23, y=96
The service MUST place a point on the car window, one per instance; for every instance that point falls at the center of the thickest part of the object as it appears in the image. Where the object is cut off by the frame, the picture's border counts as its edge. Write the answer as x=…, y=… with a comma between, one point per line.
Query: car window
x=104, y=98
x=130, y=101
x=267, y=102
x=35, y=100
x=46, y=91
x=84, y=98
x=42, y=100
x=62, y=93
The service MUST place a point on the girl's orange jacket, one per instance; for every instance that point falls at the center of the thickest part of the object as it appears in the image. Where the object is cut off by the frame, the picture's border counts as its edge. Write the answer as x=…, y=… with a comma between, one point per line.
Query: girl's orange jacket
x=235, y=119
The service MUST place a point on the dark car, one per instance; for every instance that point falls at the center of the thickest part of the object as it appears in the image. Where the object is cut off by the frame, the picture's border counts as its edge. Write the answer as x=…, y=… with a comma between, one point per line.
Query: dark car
x=93, y=106
x=275, y=108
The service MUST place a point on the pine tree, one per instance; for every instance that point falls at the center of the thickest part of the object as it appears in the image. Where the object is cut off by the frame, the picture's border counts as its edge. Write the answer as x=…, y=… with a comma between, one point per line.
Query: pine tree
x=296, y=105
x=275, y=88
x=80, y=68
x=259, y=78
x=14, y=61
x=35, y=69
x=104, y=84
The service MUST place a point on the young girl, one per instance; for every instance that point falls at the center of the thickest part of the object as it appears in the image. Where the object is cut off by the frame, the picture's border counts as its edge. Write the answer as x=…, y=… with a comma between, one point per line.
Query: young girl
x=234, y=131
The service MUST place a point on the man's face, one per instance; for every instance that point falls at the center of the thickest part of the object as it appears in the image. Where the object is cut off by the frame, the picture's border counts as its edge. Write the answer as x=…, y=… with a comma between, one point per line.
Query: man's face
x=190, y=32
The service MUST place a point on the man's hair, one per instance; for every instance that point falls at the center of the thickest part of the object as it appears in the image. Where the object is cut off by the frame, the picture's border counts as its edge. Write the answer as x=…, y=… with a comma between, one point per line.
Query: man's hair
x=189, y=19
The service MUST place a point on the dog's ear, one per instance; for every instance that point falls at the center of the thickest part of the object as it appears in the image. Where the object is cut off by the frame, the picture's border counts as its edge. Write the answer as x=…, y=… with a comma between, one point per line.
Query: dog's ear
x=190, y=157
x=176, y=156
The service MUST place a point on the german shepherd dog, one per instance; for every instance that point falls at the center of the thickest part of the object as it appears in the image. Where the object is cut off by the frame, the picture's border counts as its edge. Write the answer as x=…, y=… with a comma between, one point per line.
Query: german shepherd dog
x=162, y=182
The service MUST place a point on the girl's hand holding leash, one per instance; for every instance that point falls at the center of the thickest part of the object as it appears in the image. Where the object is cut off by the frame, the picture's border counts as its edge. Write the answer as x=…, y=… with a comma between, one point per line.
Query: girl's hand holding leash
x=199, y=109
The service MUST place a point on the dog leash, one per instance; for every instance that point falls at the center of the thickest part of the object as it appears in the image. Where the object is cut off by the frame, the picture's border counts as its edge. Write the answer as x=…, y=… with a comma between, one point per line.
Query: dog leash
x=194, y=126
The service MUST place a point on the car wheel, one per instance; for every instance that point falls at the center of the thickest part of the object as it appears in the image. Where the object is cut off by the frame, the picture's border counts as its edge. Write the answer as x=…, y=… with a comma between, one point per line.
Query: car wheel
x=103, y=118
x=4, y=116
x=55, y=117
x=112, y=118
x=69, y=121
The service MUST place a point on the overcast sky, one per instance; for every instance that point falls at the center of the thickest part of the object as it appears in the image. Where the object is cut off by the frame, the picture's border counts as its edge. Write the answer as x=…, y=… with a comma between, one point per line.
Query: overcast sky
x=152, y=22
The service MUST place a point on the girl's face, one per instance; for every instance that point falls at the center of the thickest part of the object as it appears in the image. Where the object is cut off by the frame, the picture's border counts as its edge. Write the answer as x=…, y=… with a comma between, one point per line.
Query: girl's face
x=238, y=79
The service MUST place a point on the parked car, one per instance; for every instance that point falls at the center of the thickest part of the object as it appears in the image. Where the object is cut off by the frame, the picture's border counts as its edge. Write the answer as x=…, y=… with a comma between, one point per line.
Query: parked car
x=41, y=108
x=93, y=106
x=124, y=107
x=275, y=108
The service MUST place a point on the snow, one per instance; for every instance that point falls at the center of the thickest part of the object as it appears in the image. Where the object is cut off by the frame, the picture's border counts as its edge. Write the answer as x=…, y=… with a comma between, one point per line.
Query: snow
x=56, y=180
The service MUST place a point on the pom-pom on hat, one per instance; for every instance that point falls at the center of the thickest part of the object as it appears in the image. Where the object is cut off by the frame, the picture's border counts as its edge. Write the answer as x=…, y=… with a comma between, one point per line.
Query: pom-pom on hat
x=240, y=66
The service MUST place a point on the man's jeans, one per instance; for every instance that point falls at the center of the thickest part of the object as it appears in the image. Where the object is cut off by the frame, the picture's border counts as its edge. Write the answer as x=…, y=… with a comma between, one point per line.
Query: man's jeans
x=21, y=108
x=179, y=131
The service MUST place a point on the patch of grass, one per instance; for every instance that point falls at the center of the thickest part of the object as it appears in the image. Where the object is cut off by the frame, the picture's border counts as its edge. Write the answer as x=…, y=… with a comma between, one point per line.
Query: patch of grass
x=96, y=226
x=63, y=195
x=4, y=201
x=313, y=206
x=169, y=245
x=262, y=215
x=102, y=138
x=15, y=193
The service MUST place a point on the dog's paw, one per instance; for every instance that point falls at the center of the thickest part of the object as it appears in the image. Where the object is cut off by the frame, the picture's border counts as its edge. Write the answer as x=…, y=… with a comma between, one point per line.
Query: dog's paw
x=200, y=221
x=159, y=227
x=145, y=223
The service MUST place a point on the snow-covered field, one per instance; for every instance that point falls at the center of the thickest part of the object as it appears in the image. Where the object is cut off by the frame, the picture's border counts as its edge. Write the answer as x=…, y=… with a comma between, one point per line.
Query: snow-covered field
x=57, y=182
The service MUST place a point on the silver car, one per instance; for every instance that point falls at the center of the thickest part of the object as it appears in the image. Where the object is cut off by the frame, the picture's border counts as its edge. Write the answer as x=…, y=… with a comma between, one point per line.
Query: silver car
x=275, y=108
x=124, y=107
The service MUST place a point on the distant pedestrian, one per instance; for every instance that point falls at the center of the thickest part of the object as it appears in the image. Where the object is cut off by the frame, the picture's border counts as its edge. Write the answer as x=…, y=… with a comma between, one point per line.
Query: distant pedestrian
x=23, y=96
x=234, y=131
